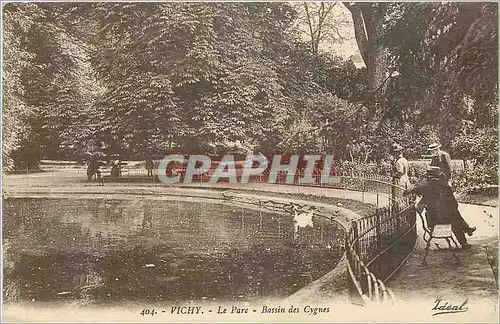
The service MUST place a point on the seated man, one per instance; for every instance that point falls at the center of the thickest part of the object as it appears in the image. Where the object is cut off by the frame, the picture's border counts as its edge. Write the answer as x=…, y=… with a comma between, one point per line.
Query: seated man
x=440, y=204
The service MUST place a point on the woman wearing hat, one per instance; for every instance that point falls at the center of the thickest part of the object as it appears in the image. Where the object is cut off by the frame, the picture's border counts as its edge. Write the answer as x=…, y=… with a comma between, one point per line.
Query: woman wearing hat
x=440, y=204
x=399, y=169
x=442, y=160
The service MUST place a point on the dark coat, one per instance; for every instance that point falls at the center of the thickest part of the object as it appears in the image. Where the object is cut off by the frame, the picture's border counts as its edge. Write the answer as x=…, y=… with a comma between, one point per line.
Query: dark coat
x=439, y=200
x=94, y=163
x=149, y=164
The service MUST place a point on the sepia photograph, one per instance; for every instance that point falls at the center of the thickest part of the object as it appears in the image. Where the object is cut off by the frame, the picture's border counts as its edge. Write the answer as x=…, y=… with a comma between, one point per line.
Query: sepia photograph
x=288, y=162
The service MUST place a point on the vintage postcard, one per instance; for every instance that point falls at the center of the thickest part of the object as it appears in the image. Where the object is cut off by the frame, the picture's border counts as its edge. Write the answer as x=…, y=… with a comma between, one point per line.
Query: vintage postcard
x=288, y=162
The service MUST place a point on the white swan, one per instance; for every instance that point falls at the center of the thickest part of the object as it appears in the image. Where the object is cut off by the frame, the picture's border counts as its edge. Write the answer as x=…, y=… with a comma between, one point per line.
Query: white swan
x=304, y=219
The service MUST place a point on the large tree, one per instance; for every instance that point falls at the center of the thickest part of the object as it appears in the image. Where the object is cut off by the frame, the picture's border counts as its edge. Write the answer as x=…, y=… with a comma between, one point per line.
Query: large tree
x=315, y=21
x=447, y=59
x=435, y=64
x=42, y=63
x=369, y=27
x=228, y=72
x=18, y=21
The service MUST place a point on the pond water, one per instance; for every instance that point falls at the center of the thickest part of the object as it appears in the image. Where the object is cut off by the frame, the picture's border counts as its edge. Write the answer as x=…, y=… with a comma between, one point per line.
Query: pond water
x=149, y=250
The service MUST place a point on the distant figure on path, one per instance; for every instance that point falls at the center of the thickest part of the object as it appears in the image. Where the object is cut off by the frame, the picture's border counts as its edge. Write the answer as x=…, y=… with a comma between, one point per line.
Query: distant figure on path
x=399, y=171
x=115, y=169
x=442, y=160
x=149, y=166
x=93, y=168
x=440, y=204
x=116, y=166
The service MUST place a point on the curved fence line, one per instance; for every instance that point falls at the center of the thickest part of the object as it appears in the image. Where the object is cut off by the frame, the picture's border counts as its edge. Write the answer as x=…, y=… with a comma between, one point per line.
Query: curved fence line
x=377, y=246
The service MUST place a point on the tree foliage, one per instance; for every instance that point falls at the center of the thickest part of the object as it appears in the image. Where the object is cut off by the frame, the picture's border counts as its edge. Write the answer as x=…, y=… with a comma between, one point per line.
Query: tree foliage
x=447, y=64
x=45, y=81
x=140, y=78
x=441, y=72
x=17, y=24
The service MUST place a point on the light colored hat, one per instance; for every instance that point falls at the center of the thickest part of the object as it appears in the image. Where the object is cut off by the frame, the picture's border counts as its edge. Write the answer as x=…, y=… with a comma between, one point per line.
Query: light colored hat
x=434, y=146
x=396, y=147
x=433, y=171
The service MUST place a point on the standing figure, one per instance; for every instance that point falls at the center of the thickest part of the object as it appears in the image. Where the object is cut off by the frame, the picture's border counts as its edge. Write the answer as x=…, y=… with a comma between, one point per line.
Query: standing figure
x=399, y=171
x=116, y=169
x=93, y=168
x=149, y=166
x=442, y=160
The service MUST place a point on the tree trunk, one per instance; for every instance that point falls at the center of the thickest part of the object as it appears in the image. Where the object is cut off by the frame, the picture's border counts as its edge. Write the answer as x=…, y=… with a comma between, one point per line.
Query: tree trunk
x=368, y=22
x=359, y=30
x=377, y=70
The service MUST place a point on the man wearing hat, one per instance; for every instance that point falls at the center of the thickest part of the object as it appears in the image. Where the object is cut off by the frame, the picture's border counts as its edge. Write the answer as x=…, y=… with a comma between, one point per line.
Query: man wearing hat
x=399, y=169
x=440, y=204
x=441, y=159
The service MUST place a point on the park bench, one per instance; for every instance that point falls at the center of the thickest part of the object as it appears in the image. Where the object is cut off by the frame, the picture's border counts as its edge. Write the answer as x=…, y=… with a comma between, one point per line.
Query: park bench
x=106, y=173
x=438, y=231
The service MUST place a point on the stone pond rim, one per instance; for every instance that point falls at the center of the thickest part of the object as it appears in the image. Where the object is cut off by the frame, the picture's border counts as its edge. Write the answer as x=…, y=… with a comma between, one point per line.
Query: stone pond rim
x=339, y=215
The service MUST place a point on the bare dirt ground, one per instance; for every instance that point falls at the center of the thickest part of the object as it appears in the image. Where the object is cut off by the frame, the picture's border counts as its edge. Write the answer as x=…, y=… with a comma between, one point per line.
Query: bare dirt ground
x=473, y=279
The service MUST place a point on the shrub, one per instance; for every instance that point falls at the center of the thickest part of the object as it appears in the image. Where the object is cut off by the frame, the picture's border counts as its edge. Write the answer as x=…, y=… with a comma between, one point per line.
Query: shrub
x=349, y=167
x=479, y=177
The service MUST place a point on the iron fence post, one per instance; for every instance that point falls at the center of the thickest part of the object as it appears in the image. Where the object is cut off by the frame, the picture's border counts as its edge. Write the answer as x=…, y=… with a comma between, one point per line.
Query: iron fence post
x=377, y=228
x=357, y=246
x=363, y=191
x=388, y=223
x=345, y=185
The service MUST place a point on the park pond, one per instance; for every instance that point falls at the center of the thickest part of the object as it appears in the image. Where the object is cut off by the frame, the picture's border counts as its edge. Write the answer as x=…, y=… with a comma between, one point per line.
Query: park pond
x=109, y=250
